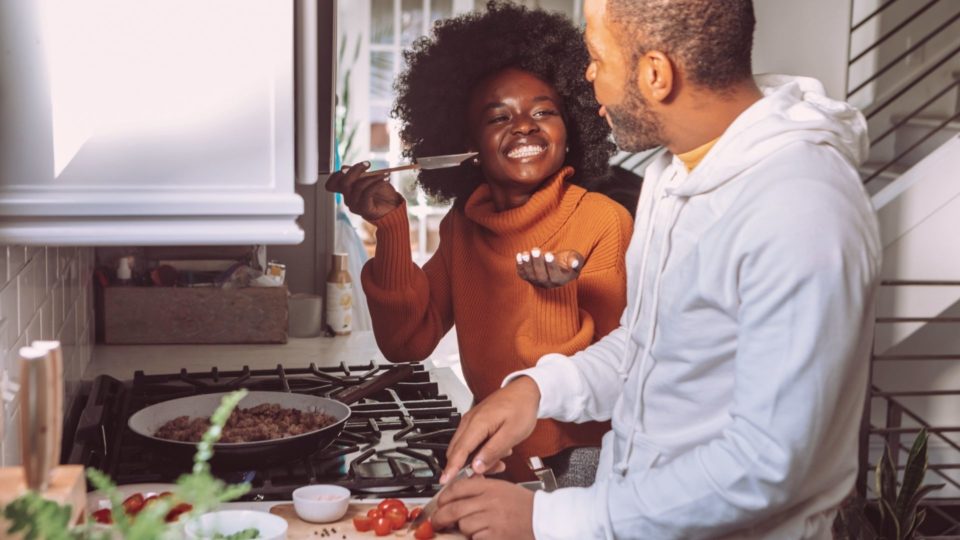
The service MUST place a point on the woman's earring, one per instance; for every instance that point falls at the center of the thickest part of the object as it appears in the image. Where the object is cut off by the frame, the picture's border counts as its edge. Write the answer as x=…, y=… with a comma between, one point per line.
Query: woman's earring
x=568, y=149
x=475, y=161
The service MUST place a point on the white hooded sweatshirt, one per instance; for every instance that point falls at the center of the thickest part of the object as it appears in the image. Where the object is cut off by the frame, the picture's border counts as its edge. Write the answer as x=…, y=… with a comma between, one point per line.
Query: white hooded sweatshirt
x=737, y=378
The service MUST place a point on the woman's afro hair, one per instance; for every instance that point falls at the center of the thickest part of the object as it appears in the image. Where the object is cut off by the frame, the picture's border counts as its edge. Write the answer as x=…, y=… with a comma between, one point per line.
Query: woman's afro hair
x=444, y=68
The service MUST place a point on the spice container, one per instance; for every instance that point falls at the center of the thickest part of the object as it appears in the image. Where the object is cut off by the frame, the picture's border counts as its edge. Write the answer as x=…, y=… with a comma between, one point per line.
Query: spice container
x=339, y=296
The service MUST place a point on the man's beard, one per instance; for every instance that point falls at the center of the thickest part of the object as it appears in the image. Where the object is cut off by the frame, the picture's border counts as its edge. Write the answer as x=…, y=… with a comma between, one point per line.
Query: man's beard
x=635, y=127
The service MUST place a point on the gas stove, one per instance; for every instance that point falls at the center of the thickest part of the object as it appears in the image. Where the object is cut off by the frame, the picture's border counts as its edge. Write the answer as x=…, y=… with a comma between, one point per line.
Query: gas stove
x=394, y=441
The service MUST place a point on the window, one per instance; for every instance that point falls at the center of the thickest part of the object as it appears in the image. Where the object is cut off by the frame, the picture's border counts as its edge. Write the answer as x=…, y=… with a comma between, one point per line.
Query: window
x=374, y=34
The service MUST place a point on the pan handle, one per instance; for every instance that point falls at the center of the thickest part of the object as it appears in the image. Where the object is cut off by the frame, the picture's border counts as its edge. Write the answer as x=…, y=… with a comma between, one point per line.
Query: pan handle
x=372, y=386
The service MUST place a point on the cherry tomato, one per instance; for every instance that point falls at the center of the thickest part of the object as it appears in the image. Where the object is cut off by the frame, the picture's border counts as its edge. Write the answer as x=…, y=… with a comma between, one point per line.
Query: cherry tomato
x=374, y=513
x=424, y=531
x=133, y=504
x=362, y=523
x=175, y=512
x=390, y=503
x=103, y=516
x=415, y=513
x=382, y=526
x=397, y=516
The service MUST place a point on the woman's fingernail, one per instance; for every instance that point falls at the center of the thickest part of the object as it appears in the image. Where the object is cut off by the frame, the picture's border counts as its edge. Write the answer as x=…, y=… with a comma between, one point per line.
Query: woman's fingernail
x=548, y=257
x=443, y=478
x=366, y=164
x=535, y=252
x=526, y=256
x=574, y=263
x=519, y=258
x=478, y=465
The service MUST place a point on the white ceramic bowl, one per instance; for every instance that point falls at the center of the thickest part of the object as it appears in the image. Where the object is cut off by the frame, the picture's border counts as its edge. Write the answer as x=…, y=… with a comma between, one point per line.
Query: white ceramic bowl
x=226, y=522
x=321, y=503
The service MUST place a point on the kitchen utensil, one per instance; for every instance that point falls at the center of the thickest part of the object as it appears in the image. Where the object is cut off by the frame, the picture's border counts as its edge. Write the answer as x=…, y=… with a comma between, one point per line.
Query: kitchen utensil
x=431, y=506
x=432, y=162
x=56, y=381
x=145, y=422
x=321, y=503
x=303, y=530
x=41, y=418
x=543, y=473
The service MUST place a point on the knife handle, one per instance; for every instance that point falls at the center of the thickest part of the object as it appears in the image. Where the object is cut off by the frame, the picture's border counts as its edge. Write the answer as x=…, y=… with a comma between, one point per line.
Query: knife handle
x=372, y=386
x=57, y=387
x=39, y=429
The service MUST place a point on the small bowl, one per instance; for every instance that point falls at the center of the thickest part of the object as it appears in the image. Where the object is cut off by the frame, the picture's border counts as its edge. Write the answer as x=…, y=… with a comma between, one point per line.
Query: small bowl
x=321, y=503
x=227, y=522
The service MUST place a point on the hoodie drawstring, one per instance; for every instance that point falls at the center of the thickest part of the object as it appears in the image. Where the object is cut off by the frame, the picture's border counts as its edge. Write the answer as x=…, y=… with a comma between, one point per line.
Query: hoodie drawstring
x=624, y=465
x=625, y=364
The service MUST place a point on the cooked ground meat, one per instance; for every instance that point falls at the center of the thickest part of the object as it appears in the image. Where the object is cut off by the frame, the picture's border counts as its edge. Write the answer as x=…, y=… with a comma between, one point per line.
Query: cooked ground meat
x=261, y=423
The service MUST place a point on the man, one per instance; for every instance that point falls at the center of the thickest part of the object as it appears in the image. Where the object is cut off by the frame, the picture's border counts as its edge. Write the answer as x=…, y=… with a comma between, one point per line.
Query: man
x=737, y=378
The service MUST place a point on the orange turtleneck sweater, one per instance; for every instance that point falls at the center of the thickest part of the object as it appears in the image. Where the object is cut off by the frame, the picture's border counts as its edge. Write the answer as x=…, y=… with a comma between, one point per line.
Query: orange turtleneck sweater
x=504, y=324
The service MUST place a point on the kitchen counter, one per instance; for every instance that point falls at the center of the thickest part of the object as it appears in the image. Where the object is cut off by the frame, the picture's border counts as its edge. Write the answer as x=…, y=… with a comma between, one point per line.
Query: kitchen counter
x=121, y=361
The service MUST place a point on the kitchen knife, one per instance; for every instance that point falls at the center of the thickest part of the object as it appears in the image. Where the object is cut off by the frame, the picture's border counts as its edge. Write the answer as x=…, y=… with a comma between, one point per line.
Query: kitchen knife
x=431, y=507
x=431, y=162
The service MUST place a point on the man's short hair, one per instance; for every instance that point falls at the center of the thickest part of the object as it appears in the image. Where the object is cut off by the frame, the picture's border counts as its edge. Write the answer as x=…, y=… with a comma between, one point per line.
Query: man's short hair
x=711, y=40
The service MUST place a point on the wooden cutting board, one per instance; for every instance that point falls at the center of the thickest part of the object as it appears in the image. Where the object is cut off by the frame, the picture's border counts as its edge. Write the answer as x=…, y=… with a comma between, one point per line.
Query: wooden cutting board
x=300, y=529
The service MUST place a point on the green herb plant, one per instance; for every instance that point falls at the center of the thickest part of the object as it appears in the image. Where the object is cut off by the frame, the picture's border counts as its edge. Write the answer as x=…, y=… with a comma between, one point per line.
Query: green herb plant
x=39, y=519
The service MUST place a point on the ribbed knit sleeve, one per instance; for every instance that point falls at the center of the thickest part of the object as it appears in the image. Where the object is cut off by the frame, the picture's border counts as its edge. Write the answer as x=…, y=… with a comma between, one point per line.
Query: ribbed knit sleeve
x=410, y=307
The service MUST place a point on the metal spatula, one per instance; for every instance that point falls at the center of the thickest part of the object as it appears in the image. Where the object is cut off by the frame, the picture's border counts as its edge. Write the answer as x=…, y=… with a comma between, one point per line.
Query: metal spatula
x=431, y=162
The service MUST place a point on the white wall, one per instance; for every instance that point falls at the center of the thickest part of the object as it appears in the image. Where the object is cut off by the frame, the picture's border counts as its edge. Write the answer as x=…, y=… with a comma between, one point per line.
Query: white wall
x=45, y=293
x=919, y=215
x=804, y=38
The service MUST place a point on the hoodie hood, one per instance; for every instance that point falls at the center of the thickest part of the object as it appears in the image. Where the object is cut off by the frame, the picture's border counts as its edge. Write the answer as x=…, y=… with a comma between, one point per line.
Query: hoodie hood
x=793, y=109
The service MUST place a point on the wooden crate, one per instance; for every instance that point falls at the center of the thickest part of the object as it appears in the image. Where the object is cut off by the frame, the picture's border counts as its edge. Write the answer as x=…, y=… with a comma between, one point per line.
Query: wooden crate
x=175, y=315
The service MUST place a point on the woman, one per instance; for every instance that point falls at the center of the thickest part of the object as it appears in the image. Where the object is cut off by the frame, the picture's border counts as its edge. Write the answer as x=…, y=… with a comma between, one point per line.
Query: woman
x=529, y=261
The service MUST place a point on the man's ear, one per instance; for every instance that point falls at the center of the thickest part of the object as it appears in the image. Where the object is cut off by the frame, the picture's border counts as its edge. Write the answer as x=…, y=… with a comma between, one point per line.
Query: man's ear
x=655, y=76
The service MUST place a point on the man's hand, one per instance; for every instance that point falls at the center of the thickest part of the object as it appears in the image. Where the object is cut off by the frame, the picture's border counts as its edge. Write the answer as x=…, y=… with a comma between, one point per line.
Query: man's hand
x=503, y=420
x=370, y=197
x=484, y=508
x=549, y=270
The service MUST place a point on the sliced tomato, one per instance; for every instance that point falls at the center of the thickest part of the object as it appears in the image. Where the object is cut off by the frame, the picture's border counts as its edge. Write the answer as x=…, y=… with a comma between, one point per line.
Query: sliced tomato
x=103, y=516
x=149, y=500
x=374, y=513
x=382, y=526
x=133, y=504
x=174, y=513
x=424, y=531
x=390, y=503
x=165, y=494
x=362, y=523
x=397, y=516
x=415, y=513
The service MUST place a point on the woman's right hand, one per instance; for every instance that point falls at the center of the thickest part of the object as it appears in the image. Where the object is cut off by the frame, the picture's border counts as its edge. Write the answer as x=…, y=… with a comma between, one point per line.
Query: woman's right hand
x=549, y=270
x=370, y=197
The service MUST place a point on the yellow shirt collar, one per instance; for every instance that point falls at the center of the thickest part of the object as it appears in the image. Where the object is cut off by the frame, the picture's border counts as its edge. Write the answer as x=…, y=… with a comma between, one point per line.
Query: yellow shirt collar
x=693, y=158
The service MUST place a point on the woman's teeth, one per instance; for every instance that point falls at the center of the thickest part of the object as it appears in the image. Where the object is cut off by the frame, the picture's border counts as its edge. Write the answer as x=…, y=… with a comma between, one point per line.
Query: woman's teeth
x=524, y=151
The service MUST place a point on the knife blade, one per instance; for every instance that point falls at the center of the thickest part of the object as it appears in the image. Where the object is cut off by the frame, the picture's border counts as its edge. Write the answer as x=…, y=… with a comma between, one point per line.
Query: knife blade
x=429, y=162
x=431, y=507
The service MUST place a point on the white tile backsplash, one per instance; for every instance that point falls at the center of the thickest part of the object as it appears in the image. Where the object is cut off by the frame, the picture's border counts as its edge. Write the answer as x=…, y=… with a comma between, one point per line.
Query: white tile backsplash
x=45, y=293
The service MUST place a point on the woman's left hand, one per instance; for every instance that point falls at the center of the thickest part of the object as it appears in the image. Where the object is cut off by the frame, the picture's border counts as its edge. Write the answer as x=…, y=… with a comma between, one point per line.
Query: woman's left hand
x=549, y=270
